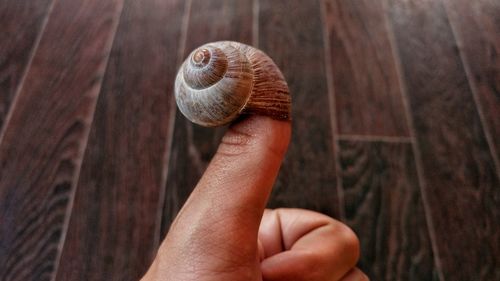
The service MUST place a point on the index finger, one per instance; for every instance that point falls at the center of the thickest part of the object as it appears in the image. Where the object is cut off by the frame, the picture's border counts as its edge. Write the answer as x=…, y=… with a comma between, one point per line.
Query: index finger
x=302, y=243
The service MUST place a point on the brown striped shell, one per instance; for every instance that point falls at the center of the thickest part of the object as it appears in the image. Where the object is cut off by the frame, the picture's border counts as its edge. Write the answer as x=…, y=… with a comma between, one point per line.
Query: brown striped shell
x=220, y=81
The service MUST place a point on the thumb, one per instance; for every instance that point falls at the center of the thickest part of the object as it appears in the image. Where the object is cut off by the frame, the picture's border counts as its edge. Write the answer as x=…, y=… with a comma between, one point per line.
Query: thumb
x=231, y=196
x=217, y=228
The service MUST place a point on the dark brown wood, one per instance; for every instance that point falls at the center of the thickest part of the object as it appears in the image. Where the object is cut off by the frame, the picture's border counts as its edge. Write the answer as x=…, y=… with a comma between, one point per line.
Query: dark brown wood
x=446, y=57
x=43, y=142
x=193, y=146
x=383, y=206
x=366, y=83
x=22, y=23
x=477, y=28
x=461, y=187
x=112, y=233
x=290, y=32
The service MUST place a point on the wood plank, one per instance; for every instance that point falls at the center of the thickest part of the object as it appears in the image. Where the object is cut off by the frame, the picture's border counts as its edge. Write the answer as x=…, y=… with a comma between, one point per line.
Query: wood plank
x=366, y=83
x=112, y=233
x=461, y=187
x=383, y=206
x=21, y=25
x=43, y=142
x=193, y=146
x=477, y=31
x=291, y=33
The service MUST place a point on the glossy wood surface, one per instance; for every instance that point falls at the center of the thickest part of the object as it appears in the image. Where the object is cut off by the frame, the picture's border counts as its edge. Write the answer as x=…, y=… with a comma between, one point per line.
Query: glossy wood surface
x=476, y=28
x=22, y=25
x=384, y=206
x=42, y=146
x=121, y=182
x=368, y=98
x=395, y=108
x=461, y=185
x=309, y=167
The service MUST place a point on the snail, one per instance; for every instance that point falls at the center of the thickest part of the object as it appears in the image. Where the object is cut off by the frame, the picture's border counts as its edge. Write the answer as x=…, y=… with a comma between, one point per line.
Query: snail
x=220, y=81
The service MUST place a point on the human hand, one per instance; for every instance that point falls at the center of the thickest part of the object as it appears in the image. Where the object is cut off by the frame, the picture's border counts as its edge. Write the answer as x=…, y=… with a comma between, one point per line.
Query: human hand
x=223, y=231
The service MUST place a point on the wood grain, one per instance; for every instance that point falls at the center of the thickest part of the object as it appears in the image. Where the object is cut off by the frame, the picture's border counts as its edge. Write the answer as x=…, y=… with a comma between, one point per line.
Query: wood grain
x=477, y=29
x=383, y=206
x=442, y=54
x=307, y=178
x=112, y=233
x=461, y=187
x=22, y=23
x=43, y=142
x=366, y=83
x=193, y=146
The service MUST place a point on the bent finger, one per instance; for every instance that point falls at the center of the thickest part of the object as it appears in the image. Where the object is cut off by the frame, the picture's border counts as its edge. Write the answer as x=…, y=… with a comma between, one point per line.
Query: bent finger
x=355, y=274
x=311, y=243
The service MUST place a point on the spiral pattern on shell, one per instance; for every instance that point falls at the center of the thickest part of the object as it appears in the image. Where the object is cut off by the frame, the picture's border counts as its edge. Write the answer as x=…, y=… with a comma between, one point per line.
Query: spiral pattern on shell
x=220, y=81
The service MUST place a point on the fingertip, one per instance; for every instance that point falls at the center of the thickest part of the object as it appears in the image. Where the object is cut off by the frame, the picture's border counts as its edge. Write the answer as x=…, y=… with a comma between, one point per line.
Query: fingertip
x=256, y=134
x=239, y=179
x=344, y=243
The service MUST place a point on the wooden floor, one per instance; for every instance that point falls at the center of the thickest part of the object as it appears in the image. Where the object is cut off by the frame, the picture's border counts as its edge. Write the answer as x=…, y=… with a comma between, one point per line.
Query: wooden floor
x=396, y=131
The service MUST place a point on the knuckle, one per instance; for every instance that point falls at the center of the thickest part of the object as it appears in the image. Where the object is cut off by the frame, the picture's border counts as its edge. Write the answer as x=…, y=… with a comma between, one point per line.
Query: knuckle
x=356, y=274
x=351, y=239
x=350, y=242
x=363, y=276
x=353, y=245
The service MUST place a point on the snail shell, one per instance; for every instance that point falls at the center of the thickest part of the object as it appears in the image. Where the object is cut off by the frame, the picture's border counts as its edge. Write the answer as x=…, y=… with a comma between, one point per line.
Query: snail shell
x=220, y=81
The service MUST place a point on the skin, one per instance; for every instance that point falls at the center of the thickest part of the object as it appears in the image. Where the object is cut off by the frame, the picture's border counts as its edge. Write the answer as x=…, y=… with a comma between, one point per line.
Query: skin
x=224, y=232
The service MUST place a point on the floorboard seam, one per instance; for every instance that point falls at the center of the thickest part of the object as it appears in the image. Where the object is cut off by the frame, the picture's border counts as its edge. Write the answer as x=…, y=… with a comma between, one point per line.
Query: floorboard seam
x=25, y=72
x=473, y=89
x=374, y=138
x=415, y=145
x=171, y=126
x=332, y=106
x=83, y=148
